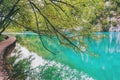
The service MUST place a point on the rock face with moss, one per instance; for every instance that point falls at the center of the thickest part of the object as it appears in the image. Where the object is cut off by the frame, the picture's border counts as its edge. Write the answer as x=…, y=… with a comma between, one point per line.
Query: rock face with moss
x=114, y=17
x=115, y=26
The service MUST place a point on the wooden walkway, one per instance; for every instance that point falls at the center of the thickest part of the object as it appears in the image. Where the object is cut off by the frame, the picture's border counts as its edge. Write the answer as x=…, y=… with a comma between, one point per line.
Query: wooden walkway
x=3, y=46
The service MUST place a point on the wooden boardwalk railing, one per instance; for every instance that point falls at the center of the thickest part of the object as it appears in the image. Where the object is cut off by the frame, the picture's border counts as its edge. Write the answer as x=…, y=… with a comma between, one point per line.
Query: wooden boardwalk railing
x=6, y=48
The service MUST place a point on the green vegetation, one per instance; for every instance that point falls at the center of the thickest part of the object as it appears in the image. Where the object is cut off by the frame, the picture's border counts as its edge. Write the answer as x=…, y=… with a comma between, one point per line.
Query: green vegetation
x=46, y=73
x=2, y=37
x=53, y=18
x=31, y=43
x=15, y=29
x=69, y=21
x=17, y=66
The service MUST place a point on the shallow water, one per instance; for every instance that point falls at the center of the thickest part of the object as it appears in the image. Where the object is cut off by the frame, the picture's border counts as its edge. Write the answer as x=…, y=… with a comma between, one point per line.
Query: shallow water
x=39, y=66
x=104, y=67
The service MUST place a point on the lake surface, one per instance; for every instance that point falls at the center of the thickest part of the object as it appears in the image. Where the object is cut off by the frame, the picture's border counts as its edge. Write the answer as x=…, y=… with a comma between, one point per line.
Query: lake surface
x=106, y=66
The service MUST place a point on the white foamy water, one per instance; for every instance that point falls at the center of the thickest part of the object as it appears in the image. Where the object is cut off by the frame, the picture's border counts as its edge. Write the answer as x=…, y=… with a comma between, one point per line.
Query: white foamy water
x=64, y=71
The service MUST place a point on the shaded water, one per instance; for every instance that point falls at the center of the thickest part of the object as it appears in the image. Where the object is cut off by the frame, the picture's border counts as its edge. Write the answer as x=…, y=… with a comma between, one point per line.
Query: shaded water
x=104, y=67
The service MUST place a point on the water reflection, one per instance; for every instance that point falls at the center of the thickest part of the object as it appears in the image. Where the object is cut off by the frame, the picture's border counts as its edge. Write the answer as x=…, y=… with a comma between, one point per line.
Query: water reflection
x=107, y=64
x=108, y=45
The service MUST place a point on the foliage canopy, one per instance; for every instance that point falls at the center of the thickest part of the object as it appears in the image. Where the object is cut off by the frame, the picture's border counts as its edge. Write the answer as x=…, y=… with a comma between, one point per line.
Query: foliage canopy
x=52, y=17
x=69, y=20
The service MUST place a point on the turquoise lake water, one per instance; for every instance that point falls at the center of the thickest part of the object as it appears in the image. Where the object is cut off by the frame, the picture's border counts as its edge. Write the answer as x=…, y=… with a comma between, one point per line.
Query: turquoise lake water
x=104, y=67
